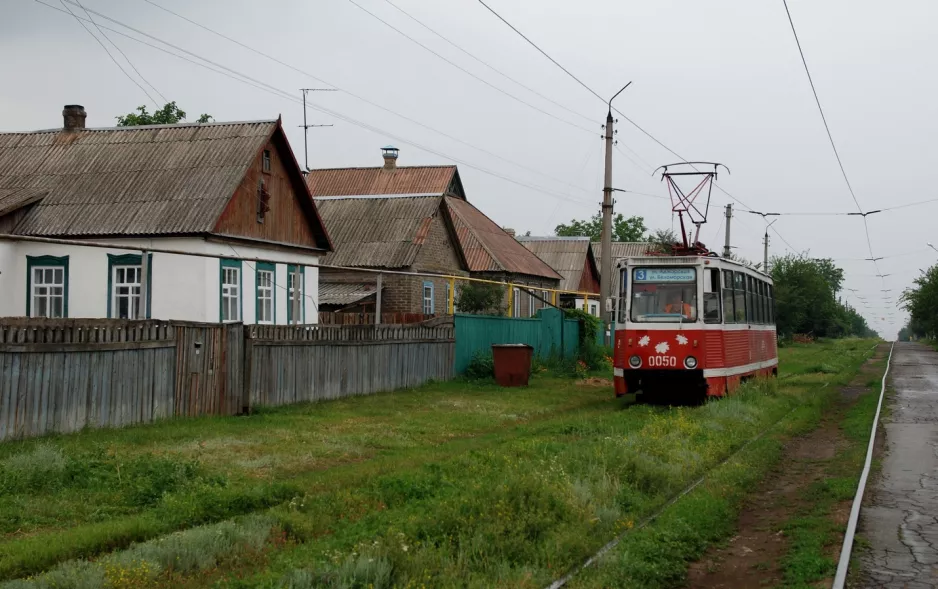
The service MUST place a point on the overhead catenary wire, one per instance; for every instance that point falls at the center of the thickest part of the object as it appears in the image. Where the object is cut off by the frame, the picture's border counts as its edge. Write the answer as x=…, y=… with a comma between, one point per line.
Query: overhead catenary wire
x=127, y=59
x=310, y=75
x=243, y=78
x=467, y=72
x=106, y=50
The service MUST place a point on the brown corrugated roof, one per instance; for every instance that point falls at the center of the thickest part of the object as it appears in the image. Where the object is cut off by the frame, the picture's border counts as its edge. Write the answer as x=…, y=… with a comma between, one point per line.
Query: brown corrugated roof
x=567, y=255
x=146, y=180
x=377, y=232
x=486, y=246
x=412, y=180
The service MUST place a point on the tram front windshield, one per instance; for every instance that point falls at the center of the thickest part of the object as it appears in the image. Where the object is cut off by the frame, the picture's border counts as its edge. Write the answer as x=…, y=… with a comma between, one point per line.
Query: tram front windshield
x=664, y=295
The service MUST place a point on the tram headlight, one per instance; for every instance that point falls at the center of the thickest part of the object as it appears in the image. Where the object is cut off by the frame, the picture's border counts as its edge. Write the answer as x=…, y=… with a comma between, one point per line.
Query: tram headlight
x=635, y=362
x=690, y=362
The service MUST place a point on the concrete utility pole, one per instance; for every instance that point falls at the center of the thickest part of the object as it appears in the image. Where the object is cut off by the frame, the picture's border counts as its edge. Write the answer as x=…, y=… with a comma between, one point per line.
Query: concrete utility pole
x=605, y=272
x=765, y=256
x=729, y=217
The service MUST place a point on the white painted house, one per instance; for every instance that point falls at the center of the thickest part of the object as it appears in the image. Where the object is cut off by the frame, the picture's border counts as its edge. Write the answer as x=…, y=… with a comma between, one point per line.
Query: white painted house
x=227, y=189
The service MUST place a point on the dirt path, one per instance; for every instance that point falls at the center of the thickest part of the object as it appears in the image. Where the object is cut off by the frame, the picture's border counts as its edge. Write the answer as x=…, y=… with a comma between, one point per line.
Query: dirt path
x=753, y=557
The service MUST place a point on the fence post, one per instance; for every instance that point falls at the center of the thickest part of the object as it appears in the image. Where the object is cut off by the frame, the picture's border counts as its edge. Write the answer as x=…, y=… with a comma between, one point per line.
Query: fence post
x=452, y=297
x=247, y=367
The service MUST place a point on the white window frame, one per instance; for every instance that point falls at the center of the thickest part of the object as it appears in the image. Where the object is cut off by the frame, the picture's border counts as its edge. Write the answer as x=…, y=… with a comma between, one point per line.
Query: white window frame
x=135, y=300
x=427, y=300
x=531, y=301
x=516, y=302
x=231, y=295
x=265, y=295
x=48, y=296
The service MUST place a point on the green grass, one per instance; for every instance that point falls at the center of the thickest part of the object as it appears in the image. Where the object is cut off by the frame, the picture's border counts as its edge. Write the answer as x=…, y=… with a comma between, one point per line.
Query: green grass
x=455, y=484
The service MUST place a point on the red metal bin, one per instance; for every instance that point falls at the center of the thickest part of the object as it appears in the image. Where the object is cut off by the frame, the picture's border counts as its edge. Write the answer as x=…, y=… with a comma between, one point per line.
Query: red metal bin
x=512, y=364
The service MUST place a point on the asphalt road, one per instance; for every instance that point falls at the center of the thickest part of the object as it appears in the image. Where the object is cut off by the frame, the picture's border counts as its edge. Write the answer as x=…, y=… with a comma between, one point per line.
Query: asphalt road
x=901, y=520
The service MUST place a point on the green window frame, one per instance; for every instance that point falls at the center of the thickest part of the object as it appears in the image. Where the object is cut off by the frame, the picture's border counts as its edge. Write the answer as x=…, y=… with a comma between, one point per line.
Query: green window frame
x=291, y=268
x=272, y=268
x=34, y=262
x=227, y=264
x=123, y=260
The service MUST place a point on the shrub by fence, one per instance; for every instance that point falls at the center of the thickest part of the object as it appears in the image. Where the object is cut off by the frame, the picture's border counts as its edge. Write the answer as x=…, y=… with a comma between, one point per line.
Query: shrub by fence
x=548, y=333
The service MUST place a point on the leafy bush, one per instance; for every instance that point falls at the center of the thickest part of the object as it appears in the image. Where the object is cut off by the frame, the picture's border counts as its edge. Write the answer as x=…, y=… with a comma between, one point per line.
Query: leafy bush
x=44, y=468
x=590, y=326
x=481, y=367
x=481, y=298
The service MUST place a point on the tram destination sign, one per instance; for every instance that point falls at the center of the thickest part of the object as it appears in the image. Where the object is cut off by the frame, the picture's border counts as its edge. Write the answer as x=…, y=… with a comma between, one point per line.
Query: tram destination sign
x=665, y=275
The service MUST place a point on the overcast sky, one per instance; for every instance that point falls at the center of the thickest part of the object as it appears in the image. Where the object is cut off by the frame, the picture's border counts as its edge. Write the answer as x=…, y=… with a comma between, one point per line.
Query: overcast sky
x=718, y=81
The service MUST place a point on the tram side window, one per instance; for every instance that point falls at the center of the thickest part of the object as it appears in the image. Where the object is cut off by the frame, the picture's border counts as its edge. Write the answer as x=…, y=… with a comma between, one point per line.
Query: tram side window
x=729, y=315
x=711, y=295
x=739, y=296
x=750, y=302
x=756, y=302
x=765, y=303
x=771, y=304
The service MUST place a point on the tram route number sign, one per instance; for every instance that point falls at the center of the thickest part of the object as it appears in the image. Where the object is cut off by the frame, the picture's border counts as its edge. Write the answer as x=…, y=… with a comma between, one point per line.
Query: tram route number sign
x=665, y=275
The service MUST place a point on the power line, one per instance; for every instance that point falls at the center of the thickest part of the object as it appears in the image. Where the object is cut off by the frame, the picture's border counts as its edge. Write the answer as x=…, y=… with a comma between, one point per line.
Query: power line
x=243, y=78
x=116, y=46
x=465, y=71
x=106, y=50
x=361, y=98
x=820, y=108
x=486, y=64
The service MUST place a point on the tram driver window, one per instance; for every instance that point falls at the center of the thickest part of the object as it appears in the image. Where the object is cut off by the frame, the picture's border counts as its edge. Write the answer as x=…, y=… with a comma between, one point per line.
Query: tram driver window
x=711, y=295
x=623, y=292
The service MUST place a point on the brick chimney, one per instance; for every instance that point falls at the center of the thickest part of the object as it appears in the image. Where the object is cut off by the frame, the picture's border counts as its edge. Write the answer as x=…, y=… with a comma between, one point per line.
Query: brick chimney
x=509, y=231
x=74, y=116
x=389, y=153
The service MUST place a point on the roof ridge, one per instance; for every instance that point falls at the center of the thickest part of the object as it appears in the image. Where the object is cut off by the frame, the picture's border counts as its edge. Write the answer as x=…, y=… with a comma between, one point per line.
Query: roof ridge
x=141, y=127
x=380, y=168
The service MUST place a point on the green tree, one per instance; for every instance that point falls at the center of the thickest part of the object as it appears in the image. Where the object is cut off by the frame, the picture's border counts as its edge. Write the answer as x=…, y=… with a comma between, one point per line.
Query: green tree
x=921, y=301
x=480, y=298
x=806, y=298
x=168, y=115
x=623, y=229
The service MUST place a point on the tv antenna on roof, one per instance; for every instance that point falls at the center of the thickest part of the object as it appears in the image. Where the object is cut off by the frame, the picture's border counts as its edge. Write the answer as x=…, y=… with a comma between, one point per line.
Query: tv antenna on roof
x=686, y=203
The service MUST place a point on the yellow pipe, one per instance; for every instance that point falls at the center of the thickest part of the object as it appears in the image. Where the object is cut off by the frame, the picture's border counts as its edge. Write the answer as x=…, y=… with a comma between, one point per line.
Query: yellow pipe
x=452, y=296
x=511, y=298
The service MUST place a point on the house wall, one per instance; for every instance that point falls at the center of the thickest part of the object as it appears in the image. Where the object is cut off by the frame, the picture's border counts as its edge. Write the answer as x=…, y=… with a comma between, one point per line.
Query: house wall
x=287, y=221
x=183, y=287
x=404, y=294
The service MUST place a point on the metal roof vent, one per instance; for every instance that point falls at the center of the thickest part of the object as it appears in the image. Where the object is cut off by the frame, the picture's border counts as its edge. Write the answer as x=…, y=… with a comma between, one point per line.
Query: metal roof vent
x=389, y=153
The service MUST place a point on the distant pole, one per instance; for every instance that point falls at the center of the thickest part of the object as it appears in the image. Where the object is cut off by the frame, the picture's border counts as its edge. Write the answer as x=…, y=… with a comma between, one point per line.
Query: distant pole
x=729, y=217
x=307, y=127
x=605, y=275
x=765, y=256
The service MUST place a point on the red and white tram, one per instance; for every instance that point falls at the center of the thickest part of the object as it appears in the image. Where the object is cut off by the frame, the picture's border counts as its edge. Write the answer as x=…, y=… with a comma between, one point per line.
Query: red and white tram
x=695, y=324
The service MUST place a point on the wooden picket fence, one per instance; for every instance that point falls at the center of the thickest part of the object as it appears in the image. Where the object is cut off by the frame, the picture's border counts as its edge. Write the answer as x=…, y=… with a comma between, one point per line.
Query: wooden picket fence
x=62, y=375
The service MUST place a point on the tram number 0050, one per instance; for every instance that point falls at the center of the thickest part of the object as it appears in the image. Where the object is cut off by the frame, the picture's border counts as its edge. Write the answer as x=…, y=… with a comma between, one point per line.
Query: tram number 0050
x=662, y=361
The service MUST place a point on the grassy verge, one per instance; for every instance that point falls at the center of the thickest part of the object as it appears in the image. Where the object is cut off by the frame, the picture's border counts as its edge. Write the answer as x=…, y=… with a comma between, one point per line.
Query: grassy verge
x=816, y=532
x=519, y=505
x=80, y=495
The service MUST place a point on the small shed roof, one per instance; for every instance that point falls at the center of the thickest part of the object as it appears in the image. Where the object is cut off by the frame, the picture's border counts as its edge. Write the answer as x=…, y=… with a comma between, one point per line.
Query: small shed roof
x=566, y=255
x=624, y=249
x=345, y=293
